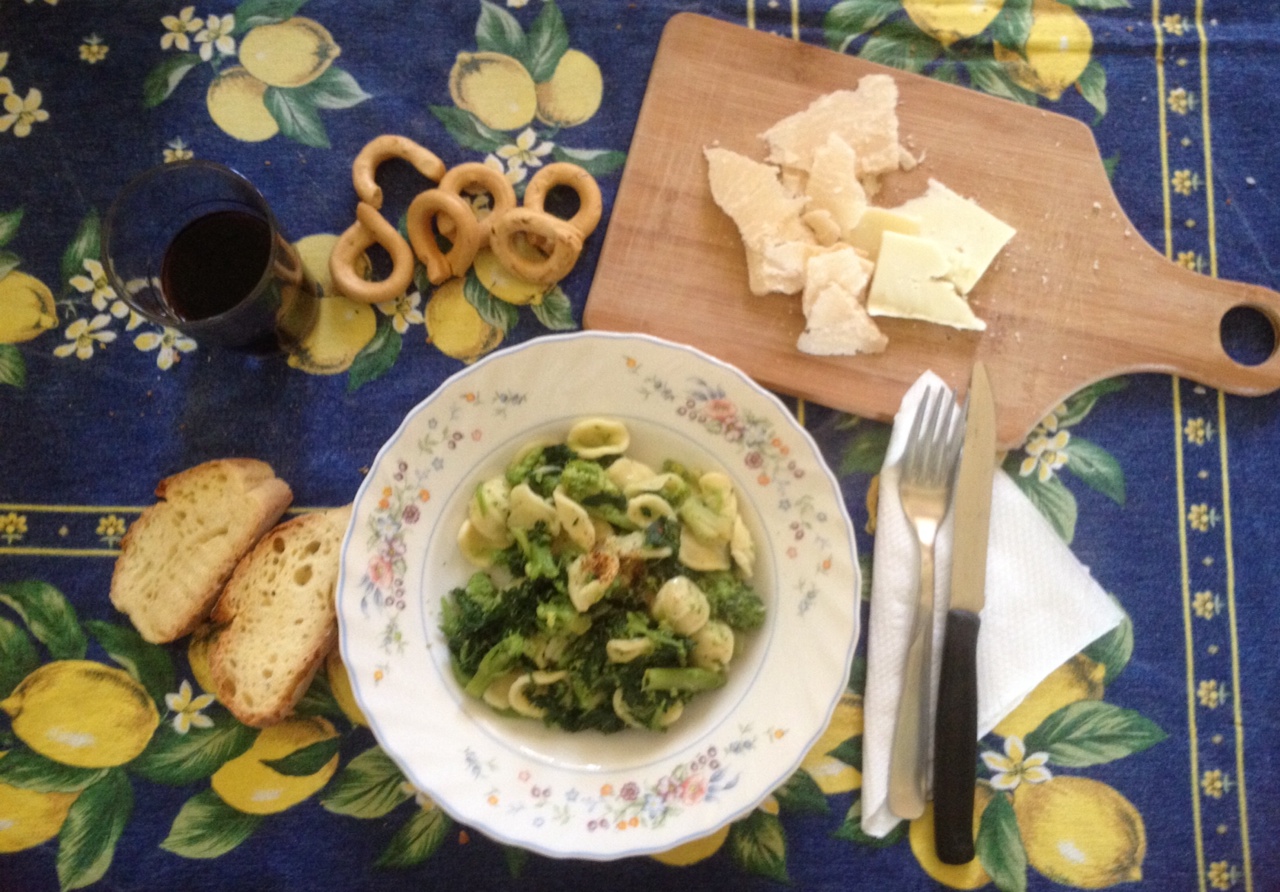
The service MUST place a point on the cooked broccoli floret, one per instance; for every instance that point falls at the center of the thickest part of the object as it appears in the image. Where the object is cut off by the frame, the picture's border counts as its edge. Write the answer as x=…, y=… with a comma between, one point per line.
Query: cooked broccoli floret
x=583, y=480
x=498, y=660
x=539, y=559
x=541, y=468
x=732, y=601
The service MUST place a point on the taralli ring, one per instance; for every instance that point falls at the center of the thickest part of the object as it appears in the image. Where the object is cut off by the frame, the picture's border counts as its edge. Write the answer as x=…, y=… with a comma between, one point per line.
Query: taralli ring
x=562, y=243
x=461, y=177
x=380, y=149
x=562, y=173
x=465, y=232
x=369, y=229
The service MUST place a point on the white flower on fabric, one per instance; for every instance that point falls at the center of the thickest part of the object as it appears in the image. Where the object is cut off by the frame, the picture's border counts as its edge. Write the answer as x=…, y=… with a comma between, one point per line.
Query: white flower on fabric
x=217, y=35
x=187, y=709
x=96, y=285
x=178, y=27
x=526, y=151
x=84, y=336
x=1015, y=766
x=513, y=171
x=170, y=342
x=403, y=311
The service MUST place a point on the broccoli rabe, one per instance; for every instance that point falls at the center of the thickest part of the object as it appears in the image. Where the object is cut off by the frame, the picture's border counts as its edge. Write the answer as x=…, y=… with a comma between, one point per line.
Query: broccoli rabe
x=630, y=655
x=732, y=601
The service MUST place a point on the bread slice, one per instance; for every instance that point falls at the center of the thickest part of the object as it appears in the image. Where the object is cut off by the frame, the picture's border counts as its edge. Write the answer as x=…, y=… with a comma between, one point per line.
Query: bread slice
x=278, y=618
x=178, y=553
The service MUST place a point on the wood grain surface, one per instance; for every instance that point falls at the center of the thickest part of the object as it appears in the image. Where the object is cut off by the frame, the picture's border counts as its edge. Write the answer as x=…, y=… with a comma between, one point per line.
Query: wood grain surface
x=1075, y=297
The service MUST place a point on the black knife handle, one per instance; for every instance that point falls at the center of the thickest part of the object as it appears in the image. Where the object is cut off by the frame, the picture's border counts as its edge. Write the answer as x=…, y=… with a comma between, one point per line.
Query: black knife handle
x=955, y=752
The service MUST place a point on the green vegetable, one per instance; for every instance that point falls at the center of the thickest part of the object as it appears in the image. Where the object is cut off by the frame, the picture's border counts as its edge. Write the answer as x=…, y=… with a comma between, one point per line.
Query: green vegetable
x=732, y=601
x=500, y=659
x=690, y=679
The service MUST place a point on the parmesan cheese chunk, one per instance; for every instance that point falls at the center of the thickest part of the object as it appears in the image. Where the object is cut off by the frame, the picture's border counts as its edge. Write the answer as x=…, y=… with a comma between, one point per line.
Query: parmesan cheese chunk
x=777, y=242
x=911, y=282
x=865, y=118
x=833, y=184
x=836, y=322
x=961, y=225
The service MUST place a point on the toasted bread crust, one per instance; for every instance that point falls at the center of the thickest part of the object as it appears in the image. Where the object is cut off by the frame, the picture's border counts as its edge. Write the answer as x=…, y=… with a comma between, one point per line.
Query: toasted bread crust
x=278, y=618
x=175, y=558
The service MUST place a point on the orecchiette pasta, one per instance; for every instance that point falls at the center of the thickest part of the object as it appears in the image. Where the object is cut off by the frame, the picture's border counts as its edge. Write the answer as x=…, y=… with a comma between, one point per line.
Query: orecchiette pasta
x=628, y=583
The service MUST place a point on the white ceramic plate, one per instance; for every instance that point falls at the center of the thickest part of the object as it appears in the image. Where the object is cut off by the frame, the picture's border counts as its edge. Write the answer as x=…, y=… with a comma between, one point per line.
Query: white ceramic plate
x=587, y=794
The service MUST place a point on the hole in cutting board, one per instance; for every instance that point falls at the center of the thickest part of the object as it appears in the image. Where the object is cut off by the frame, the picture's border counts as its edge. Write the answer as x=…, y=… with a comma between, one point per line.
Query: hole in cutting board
x=1248, y=335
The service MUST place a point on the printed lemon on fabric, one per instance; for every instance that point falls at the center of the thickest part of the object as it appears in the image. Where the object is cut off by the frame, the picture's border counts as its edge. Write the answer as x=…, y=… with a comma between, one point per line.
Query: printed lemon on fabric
x=1057, y=49
x=29, y=817
x=831, y=774
x=950, y=20
x=249, y=785
x=288, y=54
x=82, y=713
x=1080, y=832
x=26, y=308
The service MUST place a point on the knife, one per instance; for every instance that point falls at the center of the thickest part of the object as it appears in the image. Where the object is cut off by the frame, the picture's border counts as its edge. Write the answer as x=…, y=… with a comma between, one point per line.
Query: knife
x=955, y=751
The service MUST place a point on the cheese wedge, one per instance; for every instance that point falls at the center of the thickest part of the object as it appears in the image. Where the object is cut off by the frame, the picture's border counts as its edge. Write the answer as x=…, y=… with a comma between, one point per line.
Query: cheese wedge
x=836, y=322
x=911, y=282
x=865, y=118
x=961, y=225
x=874, y=223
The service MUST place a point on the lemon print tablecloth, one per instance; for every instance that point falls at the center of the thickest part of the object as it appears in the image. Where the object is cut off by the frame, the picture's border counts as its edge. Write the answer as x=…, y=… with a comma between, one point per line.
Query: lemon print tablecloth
x=1148, y=758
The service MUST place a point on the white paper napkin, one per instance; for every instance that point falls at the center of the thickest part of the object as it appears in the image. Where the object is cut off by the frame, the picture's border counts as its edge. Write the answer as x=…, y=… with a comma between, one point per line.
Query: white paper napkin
x=1042, y=607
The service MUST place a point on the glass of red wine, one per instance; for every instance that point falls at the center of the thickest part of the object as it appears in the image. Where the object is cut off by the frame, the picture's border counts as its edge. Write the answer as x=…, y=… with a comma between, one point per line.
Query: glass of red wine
x=194, y=246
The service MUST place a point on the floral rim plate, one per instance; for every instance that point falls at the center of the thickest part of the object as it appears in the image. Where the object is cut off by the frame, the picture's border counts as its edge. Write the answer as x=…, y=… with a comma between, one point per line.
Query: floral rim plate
x=591, y=795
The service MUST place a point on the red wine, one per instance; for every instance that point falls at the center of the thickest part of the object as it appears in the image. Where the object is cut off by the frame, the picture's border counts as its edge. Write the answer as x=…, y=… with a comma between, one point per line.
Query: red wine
x=214, y=263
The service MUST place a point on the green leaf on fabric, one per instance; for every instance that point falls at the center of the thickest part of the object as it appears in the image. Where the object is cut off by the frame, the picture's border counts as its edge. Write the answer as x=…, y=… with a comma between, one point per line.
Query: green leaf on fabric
x=86, y=245
x=1096, y=467
x=13, y=368
x=1081, y=403
x=849, y=752
x=546, y=42
x=9, y=261
x=297, y=117
x=252, y=13
x=206, y=827
x=901, y=45
x=29, y=770
x=850, y=19
x=555, y=311
x=49, y=616
x=148, y=663
x=375, y=360
x=947, y=72
x=417, y=840
x=516, y=859
x=18, y=658
x=865, y=452
x=335, y=88
x=1113, y=650
x=1050, y=497
x=864, y=564
x=992, y=77
x=9, y=222
x=850, y=829
x=87, y=841
x=498, y=31
x=467, y=130
x=758, y=845
x=369, y=786
x=1012, y=26
x=177, y=759
x=1092, y=85
x=999, y=846
x=801, y=795
x=308, y=760
x=162, y=80
x=1091, y=732
x=597, y=162
x=498, y=313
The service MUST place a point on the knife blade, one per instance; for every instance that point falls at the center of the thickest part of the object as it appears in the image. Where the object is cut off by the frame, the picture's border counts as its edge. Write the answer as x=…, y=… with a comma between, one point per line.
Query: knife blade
x=955, y=737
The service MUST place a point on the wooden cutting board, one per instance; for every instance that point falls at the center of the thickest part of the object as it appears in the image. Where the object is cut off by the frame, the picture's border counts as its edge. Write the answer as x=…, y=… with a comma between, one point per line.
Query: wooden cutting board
x=1077, y=296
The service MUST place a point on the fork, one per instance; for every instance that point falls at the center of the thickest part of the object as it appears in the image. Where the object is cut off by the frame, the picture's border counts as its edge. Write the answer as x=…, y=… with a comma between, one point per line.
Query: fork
x=924, y=487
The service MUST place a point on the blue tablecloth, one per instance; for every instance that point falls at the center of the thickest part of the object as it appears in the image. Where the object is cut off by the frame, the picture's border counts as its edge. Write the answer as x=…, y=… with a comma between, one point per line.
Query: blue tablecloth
x=1165, y=489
